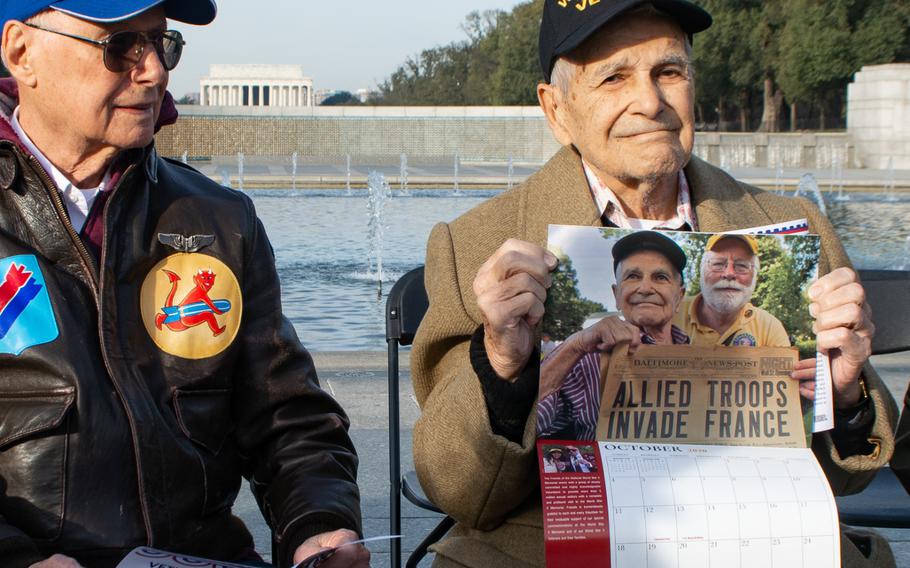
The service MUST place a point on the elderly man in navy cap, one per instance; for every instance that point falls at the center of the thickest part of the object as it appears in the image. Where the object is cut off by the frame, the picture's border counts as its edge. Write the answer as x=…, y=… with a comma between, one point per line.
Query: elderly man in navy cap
x=146, y=363
x=648, y=289
x=618, y=94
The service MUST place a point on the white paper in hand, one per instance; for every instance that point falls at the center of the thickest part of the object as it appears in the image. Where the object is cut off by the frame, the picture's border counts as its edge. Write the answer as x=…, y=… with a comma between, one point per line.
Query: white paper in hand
x=144, y=557
x=317, y=559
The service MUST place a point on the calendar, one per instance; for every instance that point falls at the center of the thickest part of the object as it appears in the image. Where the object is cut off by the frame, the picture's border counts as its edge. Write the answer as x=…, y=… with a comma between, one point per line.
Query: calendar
x=703, y=458
x=643, y=505
x=681, y=506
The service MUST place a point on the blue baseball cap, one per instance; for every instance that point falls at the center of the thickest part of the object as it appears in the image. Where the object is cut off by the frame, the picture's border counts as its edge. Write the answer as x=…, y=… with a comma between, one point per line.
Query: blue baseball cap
x=199, y=12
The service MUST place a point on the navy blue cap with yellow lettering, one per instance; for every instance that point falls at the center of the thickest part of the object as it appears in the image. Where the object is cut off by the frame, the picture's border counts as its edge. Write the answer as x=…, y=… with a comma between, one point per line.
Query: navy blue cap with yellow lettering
x=566, y=24
x=649, y=241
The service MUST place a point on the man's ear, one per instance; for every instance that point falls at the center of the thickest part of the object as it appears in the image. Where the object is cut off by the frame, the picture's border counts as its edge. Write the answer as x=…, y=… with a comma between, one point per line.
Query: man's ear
x=682, y=296
x=552, y=102
x=16, y=53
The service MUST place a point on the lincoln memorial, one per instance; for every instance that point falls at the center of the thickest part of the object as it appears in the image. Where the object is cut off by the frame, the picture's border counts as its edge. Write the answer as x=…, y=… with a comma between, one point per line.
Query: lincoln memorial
x=256, y=86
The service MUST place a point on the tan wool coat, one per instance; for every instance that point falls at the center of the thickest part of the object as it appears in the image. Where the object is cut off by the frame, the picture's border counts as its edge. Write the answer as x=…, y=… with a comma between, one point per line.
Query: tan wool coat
x=490, y=484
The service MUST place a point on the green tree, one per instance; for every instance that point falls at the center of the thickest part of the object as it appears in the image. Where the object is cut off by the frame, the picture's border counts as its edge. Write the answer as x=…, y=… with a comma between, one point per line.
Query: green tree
x=566, y=309
x=726, y=70
x=781, y=291
x=758, y=55
x=342, y=98
x=882, y=33
x=805, y=252
x=435, y=77
x=495, y=65
x=694, y=248
x=816, y=56
x=901, y=14
x=517, y=73
x=483, y=31
x=765, y=41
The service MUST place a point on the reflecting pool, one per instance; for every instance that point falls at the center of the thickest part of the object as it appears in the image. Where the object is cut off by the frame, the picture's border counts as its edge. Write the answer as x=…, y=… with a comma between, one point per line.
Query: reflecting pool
x=330, y=291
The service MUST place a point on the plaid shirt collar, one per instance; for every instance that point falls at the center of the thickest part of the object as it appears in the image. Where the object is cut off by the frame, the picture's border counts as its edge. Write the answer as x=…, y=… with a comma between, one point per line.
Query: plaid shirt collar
x=611, y=209
x=677, y=335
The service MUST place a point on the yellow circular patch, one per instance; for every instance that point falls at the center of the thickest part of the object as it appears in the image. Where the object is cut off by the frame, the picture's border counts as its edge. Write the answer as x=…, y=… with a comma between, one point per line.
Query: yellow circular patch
x=191, y=305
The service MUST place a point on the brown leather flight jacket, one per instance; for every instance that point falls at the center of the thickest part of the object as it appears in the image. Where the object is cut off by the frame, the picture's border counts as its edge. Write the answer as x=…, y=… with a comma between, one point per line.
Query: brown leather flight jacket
x=108, y=442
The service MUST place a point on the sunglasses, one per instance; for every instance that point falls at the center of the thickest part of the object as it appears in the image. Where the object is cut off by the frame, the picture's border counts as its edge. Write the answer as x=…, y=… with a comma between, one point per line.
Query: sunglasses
x=123, y=50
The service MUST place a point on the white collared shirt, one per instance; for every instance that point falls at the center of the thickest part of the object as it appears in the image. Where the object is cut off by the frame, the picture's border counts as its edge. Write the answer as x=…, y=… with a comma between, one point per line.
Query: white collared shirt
x=610, y=207
x=78, y=201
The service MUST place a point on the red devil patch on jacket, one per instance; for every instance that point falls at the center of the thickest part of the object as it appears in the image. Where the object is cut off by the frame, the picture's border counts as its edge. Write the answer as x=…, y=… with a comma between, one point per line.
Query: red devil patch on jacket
x=191, y=305
x=196, y=308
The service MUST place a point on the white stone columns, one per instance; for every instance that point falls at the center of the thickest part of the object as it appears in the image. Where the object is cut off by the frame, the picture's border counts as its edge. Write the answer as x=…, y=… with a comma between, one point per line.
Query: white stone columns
x=878, y=115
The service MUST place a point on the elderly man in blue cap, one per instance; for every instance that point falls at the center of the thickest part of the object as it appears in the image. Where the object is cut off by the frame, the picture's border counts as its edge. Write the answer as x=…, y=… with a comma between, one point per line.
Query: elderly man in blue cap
x=146, y=363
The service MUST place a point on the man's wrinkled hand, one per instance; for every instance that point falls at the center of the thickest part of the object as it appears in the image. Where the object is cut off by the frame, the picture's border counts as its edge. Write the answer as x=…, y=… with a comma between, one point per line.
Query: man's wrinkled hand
x=511, y=289
x=604, y=335
x=57, y=561
x=354, y=556
x=844, y=329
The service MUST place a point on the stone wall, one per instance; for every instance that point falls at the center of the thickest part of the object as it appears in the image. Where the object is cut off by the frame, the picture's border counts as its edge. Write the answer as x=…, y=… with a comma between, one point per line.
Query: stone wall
x=878, y=115
x=481, y=134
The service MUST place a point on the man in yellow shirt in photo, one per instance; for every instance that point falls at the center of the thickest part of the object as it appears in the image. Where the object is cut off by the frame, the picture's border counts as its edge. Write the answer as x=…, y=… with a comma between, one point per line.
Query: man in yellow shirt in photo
x=722, y=314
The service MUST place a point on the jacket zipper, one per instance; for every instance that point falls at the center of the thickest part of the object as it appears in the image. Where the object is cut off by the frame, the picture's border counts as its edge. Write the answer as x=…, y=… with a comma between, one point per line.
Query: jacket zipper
x=134, y=427
x=84, y=255
x=97, y=286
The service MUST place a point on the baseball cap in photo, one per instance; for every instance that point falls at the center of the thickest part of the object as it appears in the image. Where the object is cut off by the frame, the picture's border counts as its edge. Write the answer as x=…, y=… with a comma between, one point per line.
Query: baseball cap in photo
x=566, y=24
x=748, y=239
x=649, y=241
x=199, y=12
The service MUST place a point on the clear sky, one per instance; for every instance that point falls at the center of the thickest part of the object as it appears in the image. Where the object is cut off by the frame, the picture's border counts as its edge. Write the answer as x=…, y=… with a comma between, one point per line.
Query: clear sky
x=341, y=44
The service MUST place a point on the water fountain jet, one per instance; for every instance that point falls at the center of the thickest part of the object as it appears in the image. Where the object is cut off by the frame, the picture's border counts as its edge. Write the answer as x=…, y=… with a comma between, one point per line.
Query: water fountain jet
x=457, y=165
x=891, y=182
x=808, y=186
x=403, y=174
x=240, y=159
x=294, y=170
x=379, y=193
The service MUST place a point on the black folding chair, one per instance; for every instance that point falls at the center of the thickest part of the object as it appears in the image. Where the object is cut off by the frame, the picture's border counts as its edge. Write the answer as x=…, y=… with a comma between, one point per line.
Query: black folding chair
x=885, y=502
x=405, y=308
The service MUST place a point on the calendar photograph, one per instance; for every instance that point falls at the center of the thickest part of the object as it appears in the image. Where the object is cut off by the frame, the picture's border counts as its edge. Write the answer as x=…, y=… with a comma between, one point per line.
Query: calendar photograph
x=739, y=300
x=568, y=458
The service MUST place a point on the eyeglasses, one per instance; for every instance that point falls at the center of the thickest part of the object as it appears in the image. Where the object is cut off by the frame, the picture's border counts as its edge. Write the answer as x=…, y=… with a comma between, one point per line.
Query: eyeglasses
x=739, y=266
x=123, y=50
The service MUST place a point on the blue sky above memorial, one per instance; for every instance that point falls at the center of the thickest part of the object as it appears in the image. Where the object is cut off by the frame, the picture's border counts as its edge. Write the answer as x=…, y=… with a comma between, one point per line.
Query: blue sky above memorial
x=341, y=45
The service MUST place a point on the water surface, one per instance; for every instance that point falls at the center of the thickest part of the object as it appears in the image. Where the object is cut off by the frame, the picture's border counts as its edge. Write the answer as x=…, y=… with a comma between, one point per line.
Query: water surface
x=330, y=292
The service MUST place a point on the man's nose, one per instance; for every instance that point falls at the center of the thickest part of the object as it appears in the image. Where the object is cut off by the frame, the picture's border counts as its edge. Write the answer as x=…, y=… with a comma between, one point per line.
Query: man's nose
x=645, y=287
x=150, y=68
x=648, y=96
x=729, y=270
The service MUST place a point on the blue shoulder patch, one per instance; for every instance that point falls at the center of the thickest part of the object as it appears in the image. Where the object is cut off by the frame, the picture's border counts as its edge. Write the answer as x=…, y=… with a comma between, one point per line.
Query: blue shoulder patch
x=26, y=316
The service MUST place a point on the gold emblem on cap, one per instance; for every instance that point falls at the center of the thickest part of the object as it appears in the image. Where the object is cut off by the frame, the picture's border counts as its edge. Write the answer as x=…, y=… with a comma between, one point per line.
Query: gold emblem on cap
x=191, y=305
x=581, y=6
